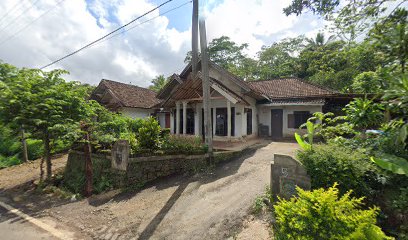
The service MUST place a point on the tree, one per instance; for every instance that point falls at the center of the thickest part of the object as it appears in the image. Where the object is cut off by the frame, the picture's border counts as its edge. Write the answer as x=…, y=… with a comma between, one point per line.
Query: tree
x=46, y=105
x=390, y=37
x=319, y=40
x=280, y=59
x=367, y=82
x=350, y=19
x=158, y=83
x=230, y=56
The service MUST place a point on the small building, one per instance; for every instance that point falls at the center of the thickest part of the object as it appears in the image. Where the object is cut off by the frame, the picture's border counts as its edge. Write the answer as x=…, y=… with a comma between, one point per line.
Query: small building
x=239, y=109
x=130, y=100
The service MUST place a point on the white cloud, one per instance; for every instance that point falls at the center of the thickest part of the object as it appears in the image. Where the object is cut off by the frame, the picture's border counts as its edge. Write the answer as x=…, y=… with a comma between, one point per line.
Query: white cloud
x=148, y=50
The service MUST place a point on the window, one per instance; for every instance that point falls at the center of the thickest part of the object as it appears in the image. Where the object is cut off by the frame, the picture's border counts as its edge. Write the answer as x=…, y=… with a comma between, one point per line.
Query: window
x=301, y=117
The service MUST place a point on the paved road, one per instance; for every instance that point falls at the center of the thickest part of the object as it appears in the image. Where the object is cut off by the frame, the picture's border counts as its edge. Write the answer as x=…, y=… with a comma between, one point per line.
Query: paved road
x=13, y=227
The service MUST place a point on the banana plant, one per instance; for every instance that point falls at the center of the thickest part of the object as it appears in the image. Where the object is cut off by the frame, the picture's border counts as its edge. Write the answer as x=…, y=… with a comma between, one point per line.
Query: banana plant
x=306, y=145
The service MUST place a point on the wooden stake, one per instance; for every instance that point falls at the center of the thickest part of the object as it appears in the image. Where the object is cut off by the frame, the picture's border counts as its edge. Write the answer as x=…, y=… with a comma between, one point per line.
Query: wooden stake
x=206, y=87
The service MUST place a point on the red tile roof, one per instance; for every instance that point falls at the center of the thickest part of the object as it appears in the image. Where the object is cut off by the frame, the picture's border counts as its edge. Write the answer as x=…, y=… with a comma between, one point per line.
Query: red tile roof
x=131, y=95
x=289, y=88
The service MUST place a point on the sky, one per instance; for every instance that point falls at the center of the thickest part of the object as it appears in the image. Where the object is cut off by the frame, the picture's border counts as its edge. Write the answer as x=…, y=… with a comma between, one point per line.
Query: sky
x=34, y=33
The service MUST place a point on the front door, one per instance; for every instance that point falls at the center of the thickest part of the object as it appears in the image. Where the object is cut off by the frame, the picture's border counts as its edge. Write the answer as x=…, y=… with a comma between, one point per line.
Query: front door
x=167, y=120
x=221, y=123
x=276, y=123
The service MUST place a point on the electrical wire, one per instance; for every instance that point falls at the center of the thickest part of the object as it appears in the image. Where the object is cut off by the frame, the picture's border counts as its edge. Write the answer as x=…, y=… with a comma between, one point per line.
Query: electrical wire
x=21, y=14
x=148, y=20
x=105, y=36
x=30, y=23
x=10, y=10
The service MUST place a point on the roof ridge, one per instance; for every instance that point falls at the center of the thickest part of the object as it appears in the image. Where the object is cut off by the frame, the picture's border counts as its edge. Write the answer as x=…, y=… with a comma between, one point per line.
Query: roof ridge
x=131, y=85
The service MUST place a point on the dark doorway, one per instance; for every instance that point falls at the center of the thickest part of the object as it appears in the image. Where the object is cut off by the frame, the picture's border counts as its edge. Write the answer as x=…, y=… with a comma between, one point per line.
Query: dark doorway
x=221, y=124
x=276, y=123
x=249, y=121
x=190, y=121
x=167, y=120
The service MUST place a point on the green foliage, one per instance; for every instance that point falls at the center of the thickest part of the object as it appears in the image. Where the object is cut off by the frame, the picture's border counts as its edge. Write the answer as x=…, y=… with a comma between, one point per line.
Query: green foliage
x=302, y=143
x=148, y=135
x=396, y=96
x=367, y=82
x=351, y=168
x=397, y=165
x=364, y=113
x=9, y=161
x=259, y=203
x=323, y=214
x=158, y=83
x=174, y=144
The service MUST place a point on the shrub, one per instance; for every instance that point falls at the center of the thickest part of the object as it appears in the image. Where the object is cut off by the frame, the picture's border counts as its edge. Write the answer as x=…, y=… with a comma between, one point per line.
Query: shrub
x=364, y=113
x=35, y=148
x=330, y=163
x=174, y=144
x=322, y=214
x=148, y=134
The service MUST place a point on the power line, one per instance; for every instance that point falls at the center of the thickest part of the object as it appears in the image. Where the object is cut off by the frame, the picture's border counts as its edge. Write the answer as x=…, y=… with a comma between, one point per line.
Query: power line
x=148, y=20
x=21, y=14
x=10, y=10
x=30, y=23
x=103, y=37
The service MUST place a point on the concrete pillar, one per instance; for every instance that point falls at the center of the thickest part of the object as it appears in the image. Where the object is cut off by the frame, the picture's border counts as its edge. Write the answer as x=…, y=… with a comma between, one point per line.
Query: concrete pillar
x=244, y=122
x=214, y=116
x=228, y=118
x=184, y=118
x=197, y=118
x=177, y=118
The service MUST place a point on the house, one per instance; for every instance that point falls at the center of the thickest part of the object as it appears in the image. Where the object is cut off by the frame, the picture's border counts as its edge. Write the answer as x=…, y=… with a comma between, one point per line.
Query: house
x=130, y=100
x=239, y=109
x=270, y=108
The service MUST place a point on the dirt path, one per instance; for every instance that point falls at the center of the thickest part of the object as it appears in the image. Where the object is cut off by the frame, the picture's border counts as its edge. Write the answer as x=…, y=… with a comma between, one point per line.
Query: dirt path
x=16, y=175
x=205, y=206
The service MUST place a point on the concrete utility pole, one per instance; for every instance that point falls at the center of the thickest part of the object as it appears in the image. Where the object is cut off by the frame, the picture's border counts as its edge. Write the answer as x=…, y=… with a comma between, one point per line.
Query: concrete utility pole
x=194, y=39
x=206, y=87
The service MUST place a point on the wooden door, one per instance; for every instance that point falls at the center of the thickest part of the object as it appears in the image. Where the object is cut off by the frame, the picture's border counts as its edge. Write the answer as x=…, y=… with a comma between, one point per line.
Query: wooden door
x=276, y=123
x=167, y=120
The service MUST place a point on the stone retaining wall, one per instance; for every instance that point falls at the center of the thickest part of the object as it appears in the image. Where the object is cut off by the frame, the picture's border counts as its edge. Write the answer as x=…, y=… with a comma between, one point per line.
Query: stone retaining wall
x=139, y=169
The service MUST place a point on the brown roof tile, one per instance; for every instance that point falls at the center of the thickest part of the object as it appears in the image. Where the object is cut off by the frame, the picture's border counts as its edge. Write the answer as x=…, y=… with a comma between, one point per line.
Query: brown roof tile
x=289, y=88
x=131, y=95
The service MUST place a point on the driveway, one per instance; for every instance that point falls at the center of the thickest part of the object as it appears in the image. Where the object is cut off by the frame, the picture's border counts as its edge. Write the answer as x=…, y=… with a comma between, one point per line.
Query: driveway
x=210, y=205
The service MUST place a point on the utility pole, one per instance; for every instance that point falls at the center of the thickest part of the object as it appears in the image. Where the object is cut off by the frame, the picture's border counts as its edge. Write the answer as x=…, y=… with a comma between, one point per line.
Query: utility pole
x=206, y=87
x=24, y=145
x=88, y=160
x=194, y=39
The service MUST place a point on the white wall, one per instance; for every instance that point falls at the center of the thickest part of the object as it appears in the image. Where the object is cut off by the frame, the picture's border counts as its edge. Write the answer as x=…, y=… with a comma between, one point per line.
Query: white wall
x=162, y=119
x=136, y=112
x=265, y=116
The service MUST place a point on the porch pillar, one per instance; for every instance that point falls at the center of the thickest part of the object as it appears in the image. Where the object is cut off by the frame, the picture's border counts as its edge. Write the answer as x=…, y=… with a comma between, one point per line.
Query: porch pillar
x=184, y=118
x=214, y=117
x=177, y=118
x=197, y=117
x=228, y=118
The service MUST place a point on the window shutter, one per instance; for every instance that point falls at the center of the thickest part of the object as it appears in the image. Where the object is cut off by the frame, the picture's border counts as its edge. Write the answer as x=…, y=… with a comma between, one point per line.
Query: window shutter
x=291, y=121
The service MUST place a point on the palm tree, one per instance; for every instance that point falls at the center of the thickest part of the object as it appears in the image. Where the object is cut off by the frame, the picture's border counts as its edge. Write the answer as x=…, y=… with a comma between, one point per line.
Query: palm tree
x=319, y=40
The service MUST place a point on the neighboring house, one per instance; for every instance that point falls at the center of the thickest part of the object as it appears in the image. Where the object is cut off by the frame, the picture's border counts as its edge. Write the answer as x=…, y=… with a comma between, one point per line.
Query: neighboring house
x=274, y=108
x=270, y=108
x=130, y=100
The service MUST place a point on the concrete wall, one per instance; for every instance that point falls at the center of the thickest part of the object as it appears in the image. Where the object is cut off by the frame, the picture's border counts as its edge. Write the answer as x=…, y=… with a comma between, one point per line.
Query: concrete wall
x=136, y=112
x=264, y=113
